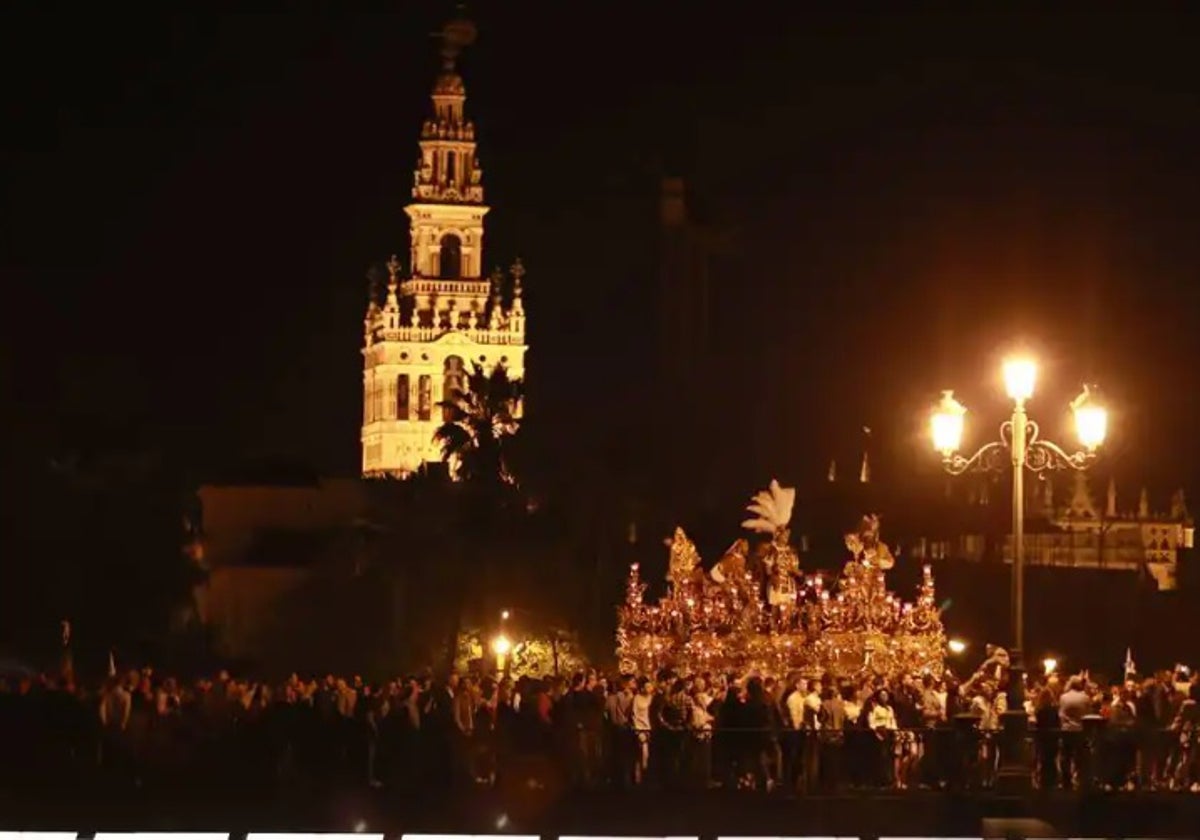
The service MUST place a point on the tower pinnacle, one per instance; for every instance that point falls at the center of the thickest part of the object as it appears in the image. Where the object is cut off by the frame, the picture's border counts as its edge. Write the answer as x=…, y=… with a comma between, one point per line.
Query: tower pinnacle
x=448, y=170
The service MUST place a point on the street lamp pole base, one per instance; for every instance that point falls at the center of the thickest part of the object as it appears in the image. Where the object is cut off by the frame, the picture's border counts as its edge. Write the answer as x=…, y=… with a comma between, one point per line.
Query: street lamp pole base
x=1014, y=777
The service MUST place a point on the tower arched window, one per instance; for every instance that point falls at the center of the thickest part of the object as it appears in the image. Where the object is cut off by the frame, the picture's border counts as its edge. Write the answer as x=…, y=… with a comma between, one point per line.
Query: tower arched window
x=450, y=257
x=455, y=381
x=424, y=397
x=402, y=397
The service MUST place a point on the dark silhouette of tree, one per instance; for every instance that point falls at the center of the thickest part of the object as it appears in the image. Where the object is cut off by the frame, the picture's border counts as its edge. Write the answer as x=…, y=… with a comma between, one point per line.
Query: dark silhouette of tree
x=478, y=433
x=479, y=424
x=462, y=540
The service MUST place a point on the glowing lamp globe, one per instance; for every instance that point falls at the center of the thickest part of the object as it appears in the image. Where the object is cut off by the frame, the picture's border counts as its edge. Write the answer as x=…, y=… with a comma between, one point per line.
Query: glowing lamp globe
x=1050, y=664
x=1019, y=377
x=501, y=646
x=957, y=646
x=947, y=424
x=1091, y=420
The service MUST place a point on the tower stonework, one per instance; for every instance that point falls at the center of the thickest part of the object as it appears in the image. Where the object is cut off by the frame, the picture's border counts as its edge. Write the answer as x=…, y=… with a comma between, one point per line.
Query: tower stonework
x=445, y=315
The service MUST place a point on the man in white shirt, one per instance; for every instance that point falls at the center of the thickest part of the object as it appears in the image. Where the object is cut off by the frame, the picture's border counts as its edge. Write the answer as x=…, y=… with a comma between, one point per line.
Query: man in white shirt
x=795, y=702
x=1073, y=707
x=116, y=704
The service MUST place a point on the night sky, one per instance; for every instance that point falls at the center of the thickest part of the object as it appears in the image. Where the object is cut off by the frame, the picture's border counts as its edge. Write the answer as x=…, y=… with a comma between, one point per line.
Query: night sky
x=193, y=203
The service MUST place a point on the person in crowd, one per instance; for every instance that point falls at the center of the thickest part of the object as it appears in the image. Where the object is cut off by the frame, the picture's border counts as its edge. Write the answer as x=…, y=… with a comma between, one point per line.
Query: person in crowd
x=642, y=728
x=1073, y=706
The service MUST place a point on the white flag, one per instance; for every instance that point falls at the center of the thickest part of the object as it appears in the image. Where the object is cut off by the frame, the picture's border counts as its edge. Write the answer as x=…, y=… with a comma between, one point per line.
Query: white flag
x=112, y=665
x=1130, y=668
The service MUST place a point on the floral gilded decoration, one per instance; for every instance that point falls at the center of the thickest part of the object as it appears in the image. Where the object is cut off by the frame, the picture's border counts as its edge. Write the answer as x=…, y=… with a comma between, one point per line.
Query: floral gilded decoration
x=755, y=610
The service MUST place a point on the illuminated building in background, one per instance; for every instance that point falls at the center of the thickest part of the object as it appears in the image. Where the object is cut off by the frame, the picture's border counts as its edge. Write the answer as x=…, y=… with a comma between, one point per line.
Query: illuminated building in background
x=443, y=316
x=1072, y=531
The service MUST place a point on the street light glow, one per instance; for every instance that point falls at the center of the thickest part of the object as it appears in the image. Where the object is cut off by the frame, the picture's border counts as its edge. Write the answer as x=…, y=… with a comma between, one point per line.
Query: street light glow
x=504, y=616
x=1026, y=451
x=501, y=645
x=1091, y=420
x=947, y=425
x=1019, y=375
x=957, y=646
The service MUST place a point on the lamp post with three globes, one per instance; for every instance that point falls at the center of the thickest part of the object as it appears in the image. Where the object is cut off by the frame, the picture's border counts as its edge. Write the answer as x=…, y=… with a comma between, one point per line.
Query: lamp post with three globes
x=1020, y=438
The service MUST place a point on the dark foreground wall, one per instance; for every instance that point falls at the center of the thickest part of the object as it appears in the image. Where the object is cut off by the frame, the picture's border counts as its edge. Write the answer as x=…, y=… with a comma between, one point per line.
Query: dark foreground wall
x=708, y=816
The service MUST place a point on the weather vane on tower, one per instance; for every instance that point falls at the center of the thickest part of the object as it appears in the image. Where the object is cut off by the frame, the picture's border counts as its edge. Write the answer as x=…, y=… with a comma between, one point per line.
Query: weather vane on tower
x=456, y=34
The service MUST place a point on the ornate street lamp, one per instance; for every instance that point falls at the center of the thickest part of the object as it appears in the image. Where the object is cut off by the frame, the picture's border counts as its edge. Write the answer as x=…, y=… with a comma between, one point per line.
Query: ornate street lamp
x=1020, y=439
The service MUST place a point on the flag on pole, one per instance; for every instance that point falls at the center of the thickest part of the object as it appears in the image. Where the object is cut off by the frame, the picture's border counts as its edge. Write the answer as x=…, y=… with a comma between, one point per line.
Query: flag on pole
x=832, y=476
x=67, y=661
x=112, y=664
x=864, y=472
x=1130, y=667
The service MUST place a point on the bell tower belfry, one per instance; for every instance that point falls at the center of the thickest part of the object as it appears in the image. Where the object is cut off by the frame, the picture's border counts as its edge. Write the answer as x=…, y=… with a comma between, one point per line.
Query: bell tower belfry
x=421, y=341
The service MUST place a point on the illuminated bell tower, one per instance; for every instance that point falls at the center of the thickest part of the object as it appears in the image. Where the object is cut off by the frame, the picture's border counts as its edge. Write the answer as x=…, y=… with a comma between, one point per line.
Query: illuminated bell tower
x=421, y=341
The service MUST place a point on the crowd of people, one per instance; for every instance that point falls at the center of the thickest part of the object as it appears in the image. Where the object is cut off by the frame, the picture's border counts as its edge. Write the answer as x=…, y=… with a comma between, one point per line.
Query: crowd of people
x=672, y=731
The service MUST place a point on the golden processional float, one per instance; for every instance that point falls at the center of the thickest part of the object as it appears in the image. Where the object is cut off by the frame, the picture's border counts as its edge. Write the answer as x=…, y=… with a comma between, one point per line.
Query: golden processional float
x=755, y=611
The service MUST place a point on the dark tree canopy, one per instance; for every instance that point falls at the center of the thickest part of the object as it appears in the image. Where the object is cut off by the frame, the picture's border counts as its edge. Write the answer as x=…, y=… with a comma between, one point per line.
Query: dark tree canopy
x=479, y=426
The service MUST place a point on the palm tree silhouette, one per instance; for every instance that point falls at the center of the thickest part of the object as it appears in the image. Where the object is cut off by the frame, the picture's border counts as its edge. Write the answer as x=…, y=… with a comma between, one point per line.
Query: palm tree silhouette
x=479, y=424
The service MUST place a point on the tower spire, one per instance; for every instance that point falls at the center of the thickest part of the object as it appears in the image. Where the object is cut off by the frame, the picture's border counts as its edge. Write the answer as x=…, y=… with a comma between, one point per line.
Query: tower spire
x=393, y=267
x=447, y=171
x=517, y=320
x=518, y=273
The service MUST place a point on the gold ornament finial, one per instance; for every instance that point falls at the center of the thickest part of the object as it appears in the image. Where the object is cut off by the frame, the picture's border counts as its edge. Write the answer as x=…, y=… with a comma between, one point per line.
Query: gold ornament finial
x=685, y=559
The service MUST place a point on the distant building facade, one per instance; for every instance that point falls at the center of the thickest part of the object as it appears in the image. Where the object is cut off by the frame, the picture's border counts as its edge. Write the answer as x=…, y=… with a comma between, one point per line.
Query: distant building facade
x=446, y=314
x=1077, y=533
x=261, y=543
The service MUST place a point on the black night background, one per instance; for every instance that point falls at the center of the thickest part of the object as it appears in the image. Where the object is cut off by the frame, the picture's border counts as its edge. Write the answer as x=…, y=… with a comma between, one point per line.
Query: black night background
x=883, y=200
x=194, y=201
